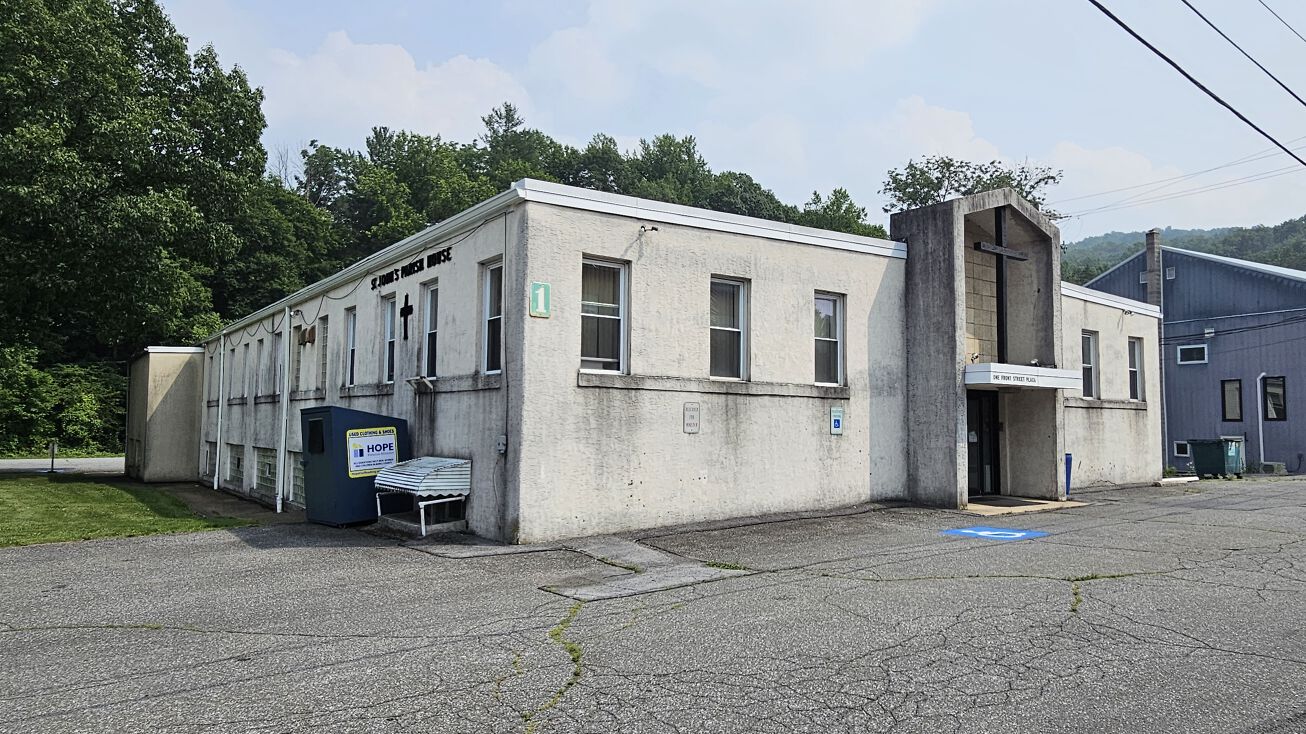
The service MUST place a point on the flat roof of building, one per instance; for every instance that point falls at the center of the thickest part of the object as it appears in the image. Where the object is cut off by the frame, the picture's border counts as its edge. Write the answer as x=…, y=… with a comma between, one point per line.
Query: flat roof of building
x=1282, y=272
x=1079, y=292
x=589, y=200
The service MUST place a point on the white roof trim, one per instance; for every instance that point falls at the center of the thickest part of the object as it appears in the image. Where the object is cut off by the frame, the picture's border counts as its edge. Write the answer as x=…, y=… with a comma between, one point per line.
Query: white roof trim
x=576, y=198
x=1288, y=273
x=657, y=211
x=1079, y=292
x=460, y=222
x=174, y=350
x=1117, y=266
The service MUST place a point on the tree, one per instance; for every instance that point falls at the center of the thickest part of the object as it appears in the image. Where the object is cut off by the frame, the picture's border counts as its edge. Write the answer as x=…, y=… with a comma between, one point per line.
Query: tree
x=738, y=193
x=840, y=213
x=132, y=189
x=939, y=177
x=670, y=169
x=124, y=164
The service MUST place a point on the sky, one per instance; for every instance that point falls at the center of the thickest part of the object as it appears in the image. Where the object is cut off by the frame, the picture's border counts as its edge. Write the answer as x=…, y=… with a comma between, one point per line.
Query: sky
x=808, y=96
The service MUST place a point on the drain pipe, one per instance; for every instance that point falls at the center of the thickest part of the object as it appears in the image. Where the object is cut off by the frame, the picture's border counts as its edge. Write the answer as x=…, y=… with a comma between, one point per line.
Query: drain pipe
x=285, y=406
x=222, y=369
x=1260, y=420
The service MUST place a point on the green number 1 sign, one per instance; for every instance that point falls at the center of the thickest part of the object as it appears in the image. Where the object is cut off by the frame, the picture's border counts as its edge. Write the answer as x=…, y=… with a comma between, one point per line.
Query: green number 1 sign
x=540, y=304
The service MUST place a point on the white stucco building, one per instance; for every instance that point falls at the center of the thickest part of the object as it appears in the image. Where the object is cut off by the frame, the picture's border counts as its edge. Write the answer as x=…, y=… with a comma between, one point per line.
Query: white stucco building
x=609, y=363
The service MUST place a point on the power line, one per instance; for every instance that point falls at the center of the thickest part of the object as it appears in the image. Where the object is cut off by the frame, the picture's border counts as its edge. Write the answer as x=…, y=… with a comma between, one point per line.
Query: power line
x=1281, y=20
x=1234, y=330
x=1134, y=201
x=1251, y=157
x=1196, y=83
x=1216, y=28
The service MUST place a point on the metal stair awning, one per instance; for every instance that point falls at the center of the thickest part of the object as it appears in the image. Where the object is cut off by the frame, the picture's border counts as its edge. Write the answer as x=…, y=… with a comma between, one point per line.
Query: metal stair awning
x=427, y=476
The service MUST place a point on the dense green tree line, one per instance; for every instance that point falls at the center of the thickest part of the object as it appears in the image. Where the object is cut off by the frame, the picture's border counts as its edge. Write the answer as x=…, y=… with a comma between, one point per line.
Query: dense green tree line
x=1281, y=244
x=136, y=207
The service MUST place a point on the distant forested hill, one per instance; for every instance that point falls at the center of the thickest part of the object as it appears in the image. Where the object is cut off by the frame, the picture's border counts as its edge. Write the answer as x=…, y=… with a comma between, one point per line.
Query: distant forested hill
x=1283, y=245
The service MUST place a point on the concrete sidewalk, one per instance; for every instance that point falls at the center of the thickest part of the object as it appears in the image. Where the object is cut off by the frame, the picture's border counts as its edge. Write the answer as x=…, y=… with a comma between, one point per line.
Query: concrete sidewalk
x=107, y=465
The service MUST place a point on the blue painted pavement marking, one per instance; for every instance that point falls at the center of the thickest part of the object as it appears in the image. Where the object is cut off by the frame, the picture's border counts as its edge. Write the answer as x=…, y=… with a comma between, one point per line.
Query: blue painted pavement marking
x=979, y=531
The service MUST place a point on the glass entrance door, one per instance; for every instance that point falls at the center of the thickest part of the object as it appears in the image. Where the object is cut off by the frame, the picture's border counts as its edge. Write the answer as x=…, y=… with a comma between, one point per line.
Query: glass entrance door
x=982, y=442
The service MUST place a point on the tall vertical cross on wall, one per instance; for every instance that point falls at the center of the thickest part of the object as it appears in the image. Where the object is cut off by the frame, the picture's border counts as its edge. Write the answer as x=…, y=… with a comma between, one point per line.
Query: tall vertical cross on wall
x=1003, y=254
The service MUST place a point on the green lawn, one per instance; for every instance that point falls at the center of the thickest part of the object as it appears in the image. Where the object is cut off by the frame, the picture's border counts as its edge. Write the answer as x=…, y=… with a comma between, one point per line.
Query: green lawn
x=49, y=509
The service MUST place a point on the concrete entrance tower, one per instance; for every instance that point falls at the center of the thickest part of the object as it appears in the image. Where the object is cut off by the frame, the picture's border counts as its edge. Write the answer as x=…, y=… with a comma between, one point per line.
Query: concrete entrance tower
x=983, y=297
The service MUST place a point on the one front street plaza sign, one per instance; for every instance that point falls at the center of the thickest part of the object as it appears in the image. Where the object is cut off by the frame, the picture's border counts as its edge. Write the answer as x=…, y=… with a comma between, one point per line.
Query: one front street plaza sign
x=1017, y=375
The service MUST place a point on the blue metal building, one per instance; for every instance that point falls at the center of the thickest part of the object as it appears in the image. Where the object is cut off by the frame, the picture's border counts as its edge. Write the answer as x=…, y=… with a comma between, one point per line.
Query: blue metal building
x=1234, y=351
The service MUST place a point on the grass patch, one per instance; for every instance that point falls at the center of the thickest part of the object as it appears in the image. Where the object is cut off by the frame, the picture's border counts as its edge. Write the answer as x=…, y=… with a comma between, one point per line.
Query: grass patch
x=55, y=508
x=726, y=566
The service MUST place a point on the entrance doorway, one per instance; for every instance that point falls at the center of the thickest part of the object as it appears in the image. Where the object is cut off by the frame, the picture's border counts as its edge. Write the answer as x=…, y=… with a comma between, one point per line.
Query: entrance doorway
x=982, y=442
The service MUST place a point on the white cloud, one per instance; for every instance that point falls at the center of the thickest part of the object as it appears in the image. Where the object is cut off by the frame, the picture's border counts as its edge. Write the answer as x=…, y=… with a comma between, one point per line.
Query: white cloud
x=343, y=89
x=771, y=147
x=1142, y=203
x=730, y=46
x=575, y=59
x=916, y=128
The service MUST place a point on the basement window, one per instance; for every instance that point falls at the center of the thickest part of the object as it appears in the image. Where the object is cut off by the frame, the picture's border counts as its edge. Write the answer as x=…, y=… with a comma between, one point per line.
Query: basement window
x=1181, y=448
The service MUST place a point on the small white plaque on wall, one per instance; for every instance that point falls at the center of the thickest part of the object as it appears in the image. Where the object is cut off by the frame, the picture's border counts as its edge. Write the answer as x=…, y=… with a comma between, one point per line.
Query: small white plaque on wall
x=836, y=421
x=691, y=418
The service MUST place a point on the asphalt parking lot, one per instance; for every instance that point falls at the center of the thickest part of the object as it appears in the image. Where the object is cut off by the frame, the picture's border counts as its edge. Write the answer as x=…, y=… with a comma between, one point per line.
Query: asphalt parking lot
x=1176, y=609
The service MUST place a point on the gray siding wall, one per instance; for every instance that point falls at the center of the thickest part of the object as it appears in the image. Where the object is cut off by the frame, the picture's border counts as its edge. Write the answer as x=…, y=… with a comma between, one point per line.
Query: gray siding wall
x=1259, y=323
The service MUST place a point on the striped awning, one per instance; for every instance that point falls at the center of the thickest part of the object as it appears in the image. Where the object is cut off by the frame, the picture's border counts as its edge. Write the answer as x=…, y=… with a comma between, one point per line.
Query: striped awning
x=431, y=476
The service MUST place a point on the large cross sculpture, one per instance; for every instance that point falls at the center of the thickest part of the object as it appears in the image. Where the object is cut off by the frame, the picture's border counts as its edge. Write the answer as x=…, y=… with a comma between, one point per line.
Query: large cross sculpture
x=1003, y=254
x=404, y=312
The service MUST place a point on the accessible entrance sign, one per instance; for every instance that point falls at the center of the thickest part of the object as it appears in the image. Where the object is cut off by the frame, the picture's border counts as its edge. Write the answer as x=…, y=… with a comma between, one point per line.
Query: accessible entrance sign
x=371, y=450
x=979, y=531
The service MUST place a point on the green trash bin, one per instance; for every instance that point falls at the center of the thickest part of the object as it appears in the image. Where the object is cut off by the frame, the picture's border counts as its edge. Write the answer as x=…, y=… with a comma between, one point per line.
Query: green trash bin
x=1217, y=457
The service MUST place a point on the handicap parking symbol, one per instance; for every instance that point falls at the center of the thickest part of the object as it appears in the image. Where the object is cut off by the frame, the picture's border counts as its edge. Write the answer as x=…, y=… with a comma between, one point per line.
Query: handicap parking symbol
x=980, y=531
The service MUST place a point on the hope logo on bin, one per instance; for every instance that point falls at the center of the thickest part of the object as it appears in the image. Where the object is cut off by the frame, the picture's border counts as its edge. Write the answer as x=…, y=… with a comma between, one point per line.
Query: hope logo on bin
x=371, y=450
x=987, y=533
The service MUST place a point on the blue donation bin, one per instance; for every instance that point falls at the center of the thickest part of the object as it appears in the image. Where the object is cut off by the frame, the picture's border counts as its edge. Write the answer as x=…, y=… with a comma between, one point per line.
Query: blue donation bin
x=343, y=451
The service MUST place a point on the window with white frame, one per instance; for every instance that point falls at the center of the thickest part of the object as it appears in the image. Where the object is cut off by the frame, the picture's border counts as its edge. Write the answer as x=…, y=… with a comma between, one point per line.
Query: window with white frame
x=351, y=344
x=1191, y=354
x=432, y=317
x=828, y=334
x=297, y=359
x=728, y=335
x=244, y=371
x=493, y=344
x=1088, y=359
x=231, y=374
x=602, y=316
x=258, y=369
x=1181, y=448
x=388, y=315
x=321, y=353
x=1135, y=368
x=274, y=364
